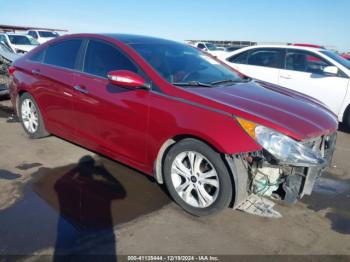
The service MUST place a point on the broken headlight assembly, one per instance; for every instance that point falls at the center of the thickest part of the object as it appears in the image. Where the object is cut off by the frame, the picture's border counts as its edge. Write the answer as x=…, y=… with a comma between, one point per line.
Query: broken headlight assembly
x=284, y=149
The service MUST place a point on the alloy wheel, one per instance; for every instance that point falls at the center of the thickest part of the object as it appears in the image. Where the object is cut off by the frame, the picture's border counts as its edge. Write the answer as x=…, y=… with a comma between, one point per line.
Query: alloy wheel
x=195, y=179
x=29, y=115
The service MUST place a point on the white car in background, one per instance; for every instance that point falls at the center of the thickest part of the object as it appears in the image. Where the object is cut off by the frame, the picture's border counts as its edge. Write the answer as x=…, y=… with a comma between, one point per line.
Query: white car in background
x=42, y=36
x=319, y=73
x=19, y=44
x=210, y=48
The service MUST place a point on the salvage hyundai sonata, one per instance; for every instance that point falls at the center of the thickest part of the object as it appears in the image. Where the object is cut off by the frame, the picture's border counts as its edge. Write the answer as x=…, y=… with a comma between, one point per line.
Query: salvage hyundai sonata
x=175, y=113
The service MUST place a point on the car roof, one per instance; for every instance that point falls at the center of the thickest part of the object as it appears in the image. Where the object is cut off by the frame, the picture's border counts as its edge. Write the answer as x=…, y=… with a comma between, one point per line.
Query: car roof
x=312, y=49
x=285, y=46
x=139, y=39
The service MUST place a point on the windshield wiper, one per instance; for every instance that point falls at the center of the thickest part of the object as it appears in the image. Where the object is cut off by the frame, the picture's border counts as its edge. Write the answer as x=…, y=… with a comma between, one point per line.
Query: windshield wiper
x=230, y=81
x=193, y=83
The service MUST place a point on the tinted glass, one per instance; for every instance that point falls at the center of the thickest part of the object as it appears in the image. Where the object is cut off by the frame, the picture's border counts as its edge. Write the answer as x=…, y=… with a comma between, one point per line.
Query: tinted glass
x=3, y=39
x=201, y=46
x=266, y=57
x=304, y=61
x=101, y=58
x=239, y=58
x=47, y=34
x=33, y=34
x=179, y=63
x=20, y=40
x=38, y=57
x=341, y=60
x=63, y=54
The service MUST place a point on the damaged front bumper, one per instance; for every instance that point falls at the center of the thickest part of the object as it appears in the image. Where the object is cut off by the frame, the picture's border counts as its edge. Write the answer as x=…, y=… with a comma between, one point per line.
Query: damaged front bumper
x=260, y=174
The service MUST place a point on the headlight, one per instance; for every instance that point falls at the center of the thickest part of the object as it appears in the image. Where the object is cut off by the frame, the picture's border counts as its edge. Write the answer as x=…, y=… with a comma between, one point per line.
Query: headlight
x=285, y=149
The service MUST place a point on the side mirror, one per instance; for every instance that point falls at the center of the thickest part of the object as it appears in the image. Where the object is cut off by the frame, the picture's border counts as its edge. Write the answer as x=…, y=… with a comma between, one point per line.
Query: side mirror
x=330, y=70
x=127, y=78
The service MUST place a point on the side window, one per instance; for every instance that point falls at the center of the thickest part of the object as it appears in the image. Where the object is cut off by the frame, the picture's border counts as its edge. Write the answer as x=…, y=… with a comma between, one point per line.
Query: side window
x=33, y=34
x=304, y=61
x=267, y=57
x=2, y=39
x=101, y=58
x=239, y=58
x=63, y=54
x=201, y=46
x=38, y=56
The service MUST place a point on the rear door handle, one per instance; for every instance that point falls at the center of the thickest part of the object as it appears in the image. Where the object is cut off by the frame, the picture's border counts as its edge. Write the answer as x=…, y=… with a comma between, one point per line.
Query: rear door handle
x=81, y=89
x=36, y=72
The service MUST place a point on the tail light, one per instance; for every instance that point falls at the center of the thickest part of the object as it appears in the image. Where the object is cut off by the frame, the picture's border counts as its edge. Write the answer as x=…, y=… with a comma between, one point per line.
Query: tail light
x=11, y=70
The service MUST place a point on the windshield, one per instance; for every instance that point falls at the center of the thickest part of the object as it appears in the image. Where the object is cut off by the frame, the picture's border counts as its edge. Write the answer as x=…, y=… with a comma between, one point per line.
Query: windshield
x=5, y=48
x=337, y=58
x=47, y=34
x=178, y=63
x=22, y=40
x=212, y=47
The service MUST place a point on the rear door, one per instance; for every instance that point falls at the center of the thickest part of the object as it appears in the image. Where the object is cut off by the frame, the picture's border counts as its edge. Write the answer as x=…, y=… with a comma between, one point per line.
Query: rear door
x=109, y=119
x=304, y=73
x=53, y=70
x=260, y=63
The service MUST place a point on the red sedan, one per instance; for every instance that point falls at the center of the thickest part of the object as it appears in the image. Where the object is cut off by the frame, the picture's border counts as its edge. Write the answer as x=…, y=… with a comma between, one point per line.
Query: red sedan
x=175, y=113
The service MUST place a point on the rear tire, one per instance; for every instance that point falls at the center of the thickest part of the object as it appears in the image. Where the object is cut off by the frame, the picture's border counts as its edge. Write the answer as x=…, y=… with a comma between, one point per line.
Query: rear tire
x=197, y=178
x=30, y=117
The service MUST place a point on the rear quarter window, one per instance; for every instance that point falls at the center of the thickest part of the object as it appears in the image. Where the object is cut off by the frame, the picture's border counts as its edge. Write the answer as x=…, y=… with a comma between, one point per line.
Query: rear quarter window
x=63, y=54
x=38, y=56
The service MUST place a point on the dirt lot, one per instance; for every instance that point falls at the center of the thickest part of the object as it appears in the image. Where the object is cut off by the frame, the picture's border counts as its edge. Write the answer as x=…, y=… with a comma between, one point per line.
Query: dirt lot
x=57, y=198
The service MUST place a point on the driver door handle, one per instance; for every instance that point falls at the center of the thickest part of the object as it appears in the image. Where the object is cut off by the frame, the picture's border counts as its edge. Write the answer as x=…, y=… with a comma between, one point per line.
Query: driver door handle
x=81, y=89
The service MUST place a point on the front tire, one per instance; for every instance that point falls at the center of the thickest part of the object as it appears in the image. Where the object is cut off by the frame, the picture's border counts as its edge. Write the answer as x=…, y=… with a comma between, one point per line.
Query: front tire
x=197, y=178
x=30, y=117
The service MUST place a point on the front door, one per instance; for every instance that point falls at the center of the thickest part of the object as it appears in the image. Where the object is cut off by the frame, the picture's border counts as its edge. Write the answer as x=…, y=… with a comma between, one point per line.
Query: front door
x=304, y=73
x=109, y=119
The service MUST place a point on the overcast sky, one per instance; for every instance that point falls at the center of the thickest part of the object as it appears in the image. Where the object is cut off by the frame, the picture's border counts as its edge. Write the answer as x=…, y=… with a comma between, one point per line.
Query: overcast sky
x=324, y=22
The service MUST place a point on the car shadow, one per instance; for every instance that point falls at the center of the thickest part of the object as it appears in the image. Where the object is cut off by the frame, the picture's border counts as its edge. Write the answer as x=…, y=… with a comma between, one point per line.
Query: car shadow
x=331, y=196
x=75, y=209
x=85, y=194
x=7, y=175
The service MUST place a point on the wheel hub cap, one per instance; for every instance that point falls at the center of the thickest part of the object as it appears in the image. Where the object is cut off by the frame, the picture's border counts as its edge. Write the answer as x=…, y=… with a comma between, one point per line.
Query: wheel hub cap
x=29, y=115
x=195, y=179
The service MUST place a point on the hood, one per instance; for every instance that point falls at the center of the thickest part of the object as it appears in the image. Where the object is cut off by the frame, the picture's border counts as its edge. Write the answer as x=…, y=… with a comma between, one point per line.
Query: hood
x=25, y=48
x=283, y=110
